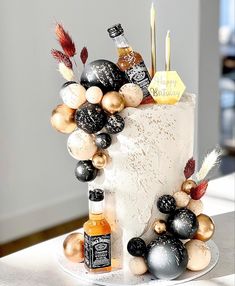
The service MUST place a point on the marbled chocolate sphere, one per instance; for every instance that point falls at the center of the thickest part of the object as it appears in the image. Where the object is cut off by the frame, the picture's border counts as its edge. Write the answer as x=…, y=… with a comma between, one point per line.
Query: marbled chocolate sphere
x=196, y=206
x=181, y=199
x=132, y=93
x=81, y=146
x=104, y=74
x=115, y=124
x=103, y=140
x=166, y=257
x=85, y=171
x=90, y=118
x=94, y=94
x=138, y=266
x=73, y=94
x=182, y=223
x=166, y=204
x=199, y=255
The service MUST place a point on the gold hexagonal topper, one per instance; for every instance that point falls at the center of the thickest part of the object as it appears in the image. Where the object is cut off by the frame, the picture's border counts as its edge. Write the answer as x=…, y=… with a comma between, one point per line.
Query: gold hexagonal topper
x=166, y=87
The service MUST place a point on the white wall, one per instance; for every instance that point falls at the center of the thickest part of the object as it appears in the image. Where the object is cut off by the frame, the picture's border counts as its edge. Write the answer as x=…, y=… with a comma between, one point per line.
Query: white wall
x=209, y=73
x=37, y=183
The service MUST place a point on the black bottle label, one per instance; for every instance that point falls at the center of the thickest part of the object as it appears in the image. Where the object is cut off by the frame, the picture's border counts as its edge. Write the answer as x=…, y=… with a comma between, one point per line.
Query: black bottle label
x=97, y=251
x=139, y=74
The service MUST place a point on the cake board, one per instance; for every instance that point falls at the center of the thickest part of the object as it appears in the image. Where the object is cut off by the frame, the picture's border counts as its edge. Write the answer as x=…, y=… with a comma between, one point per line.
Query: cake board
x=117, y=277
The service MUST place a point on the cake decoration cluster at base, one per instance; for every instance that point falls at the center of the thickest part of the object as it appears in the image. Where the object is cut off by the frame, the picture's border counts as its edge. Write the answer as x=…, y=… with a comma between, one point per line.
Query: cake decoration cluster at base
x=168, y=256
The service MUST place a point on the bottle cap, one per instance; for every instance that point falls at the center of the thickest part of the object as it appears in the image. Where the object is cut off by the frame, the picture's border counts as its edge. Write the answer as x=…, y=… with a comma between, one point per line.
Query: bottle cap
x=115, y=31
x=96, y=195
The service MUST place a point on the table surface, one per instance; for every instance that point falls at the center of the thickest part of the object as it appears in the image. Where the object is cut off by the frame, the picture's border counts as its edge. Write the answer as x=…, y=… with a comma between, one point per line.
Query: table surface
x=37, y=265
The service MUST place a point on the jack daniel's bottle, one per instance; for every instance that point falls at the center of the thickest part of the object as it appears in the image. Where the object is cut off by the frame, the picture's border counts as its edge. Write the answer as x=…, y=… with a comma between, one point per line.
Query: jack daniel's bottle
x=130, y=61
x=97, y=235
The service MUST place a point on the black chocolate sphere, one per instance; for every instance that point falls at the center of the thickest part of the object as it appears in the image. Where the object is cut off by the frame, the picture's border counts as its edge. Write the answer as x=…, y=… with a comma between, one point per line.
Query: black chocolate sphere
x=182, y=223
x=136, y=246
x=166, y=204
x=166, y=257
x=104, y=74
x=115, y=124
x=85, y=171
x=91, y=118
x=103, y=140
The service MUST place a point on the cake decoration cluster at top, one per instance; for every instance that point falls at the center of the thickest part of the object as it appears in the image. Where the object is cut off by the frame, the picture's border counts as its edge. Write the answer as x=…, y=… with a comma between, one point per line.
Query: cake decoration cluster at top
x=92, y=106
x=90, y=109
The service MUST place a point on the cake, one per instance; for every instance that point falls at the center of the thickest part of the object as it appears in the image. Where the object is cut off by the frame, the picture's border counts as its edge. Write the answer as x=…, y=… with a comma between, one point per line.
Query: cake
x=132, y=135
x=147, y=160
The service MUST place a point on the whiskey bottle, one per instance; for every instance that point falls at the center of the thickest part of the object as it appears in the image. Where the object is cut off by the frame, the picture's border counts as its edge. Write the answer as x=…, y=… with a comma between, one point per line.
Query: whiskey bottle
x=130, y=61
x=97, y=235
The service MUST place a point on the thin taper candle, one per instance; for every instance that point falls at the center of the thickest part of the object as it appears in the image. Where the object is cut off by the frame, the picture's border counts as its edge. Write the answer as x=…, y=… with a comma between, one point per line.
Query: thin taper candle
x=153, y=40
x=168, y=52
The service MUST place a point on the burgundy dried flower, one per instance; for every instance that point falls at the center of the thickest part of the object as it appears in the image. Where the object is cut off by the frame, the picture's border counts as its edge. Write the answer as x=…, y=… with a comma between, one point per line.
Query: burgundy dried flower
x=65, y=41
x=199, y=191
x=61, y=57
x=84, y=55
x=189, y=168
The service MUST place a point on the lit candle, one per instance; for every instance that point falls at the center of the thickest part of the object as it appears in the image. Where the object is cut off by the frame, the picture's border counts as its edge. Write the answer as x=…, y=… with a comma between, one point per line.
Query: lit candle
x=168, y=52
x=153, y=40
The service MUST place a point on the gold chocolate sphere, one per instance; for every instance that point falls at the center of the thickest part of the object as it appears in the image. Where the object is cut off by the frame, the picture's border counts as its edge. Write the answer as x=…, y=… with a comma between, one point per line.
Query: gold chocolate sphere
x=100, y=160
x=206, y=228
x=113, y=102
x=62, y=119
x=74, y=247
x=160, y=226
x=187, y=186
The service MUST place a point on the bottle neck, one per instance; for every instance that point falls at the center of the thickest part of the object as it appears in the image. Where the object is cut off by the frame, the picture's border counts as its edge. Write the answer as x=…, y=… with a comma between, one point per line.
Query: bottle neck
x=96, y=210
x=122, y=45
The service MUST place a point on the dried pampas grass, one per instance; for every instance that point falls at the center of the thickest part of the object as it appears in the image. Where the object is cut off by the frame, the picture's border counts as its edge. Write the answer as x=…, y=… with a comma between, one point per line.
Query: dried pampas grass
x=210, y=161
x=66, y=72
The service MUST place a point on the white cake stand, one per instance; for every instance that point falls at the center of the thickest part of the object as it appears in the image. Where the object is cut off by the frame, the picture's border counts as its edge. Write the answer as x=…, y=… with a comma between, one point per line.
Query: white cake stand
x=78, y=271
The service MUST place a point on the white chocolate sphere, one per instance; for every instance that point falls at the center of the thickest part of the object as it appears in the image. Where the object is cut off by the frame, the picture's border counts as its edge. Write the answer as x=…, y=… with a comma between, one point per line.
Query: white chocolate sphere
x=181, y=199
x=196, y=206
x=81, y=146
x=73, y=95
x=138, y=266
x=132, y=93
x=94, y=94
x=199, y=255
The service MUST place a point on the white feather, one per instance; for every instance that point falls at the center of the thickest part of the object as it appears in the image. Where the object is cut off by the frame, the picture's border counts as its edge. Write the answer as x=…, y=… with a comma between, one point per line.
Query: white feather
x=66, y=72
x=211, y=160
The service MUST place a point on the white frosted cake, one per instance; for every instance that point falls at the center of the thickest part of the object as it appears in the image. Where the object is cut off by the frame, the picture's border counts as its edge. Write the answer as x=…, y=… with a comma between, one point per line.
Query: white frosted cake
x=147, y=160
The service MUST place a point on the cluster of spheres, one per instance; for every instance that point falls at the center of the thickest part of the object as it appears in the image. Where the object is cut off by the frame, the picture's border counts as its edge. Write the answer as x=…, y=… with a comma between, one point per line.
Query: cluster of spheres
x=180, y=241
x=90, y=112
